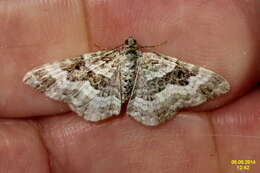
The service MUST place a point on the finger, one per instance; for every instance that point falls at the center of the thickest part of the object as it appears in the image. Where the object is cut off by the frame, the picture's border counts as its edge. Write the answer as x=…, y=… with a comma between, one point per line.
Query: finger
x=237, y=130
x=77, y=146
x=21, y=148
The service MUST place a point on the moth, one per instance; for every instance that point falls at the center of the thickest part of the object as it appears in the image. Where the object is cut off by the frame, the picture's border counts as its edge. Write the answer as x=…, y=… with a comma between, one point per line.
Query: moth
x=154, y=86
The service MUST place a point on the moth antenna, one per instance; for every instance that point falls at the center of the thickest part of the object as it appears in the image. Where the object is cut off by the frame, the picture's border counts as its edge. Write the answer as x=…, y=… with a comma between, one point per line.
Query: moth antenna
x=153, y=46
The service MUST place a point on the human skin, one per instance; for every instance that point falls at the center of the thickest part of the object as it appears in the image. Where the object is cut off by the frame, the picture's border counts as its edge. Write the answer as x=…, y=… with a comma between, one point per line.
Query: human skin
x=40, y=135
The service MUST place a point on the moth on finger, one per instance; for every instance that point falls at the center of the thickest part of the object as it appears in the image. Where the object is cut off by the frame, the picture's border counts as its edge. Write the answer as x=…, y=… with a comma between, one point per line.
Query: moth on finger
x=156, y=86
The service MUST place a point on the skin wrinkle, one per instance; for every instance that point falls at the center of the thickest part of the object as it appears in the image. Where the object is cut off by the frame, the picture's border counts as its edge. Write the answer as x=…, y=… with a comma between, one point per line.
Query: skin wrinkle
x=214, y=139
x=87, y=24
x=39, y=129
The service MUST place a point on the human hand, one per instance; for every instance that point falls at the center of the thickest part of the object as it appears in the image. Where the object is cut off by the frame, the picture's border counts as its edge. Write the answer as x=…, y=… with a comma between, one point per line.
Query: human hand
x=41, y=135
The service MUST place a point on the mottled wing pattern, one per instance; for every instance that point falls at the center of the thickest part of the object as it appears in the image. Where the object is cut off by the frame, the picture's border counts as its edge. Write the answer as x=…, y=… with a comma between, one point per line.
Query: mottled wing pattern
x=88, y=83
x=164, y=85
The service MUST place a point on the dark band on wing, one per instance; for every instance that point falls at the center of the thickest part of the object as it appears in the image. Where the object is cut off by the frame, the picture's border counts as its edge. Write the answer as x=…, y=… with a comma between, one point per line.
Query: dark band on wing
x=179, y=76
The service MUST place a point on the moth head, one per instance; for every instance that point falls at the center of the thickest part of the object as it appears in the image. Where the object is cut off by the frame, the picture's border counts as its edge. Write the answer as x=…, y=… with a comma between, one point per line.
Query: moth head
x=130, y=42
